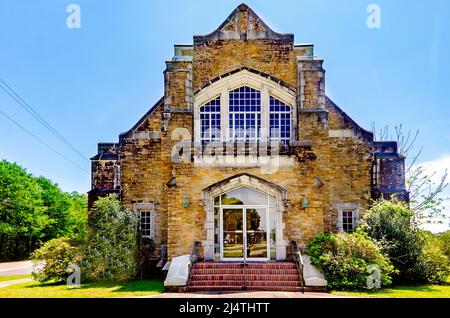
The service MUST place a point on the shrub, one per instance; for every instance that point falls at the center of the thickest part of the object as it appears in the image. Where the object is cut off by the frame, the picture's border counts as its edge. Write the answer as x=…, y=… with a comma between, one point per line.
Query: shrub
x=444, y=243
x=433, y=265
x=146, y=251
x=390, y=223
x=110, y=252
x=52, y=260
x=344, y=259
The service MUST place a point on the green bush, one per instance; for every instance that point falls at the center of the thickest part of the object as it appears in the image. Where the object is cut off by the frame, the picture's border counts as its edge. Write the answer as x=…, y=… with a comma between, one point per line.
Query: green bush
x=110, y=252
x=51, y=261
x=146, y=251
x=406, y=245
x=344, y=259
x=444, y=242
x=433, y=265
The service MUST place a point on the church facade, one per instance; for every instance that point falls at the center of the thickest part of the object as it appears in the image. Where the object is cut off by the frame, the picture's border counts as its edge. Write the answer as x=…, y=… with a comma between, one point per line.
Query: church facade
x=245, y=152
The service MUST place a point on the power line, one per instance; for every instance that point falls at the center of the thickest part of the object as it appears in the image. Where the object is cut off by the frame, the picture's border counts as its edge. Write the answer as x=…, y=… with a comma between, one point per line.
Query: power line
x=43, y=142
x=38, y=117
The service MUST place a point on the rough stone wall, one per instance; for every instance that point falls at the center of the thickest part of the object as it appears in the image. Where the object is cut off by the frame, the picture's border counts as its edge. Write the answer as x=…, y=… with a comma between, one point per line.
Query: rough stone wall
x=311, y=84
x=141, y=169
x=347, y=165
x=337, y=170
x=346, y=172
x=214, y=58
x=187, y=224
x=103, y=174
x=391, y=174
x=178, y=85
x=153, y=122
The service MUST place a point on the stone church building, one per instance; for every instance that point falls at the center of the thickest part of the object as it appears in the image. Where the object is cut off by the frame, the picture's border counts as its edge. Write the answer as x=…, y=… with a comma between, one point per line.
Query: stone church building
x=245, y=152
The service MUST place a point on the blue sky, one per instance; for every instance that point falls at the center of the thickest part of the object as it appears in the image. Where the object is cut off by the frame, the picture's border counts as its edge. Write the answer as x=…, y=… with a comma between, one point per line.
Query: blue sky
x=94, y=82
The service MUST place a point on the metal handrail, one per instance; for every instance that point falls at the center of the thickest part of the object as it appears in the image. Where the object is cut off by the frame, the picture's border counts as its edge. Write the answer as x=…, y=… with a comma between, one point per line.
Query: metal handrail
x=298, y=260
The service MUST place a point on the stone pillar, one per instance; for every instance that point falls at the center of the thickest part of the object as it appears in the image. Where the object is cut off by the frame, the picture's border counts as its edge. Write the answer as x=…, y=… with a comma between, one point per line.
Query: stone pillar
x=178, y=92
x=177, y=126
x=311, y=84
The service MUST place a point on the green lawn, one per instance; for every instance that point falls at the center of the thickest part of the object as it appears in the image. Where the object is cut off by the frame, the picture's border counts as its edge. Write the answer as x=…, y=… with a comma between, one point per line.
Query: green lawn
x=8, y=278
x=89, y=290
x=422, y=291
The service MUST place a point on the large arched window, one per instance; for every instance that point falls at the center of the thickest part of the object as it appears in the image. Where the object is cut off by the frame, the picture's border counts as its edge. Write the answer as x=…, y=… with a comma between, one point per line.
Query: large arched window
x=245, y=107
x=210, y=121
x=244, y=114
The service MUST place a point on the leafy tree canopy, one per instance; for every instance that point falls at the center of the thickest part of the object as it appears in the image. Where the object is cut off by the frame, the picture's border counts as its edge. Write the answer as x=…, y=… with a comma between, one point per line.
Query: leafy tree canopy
x=34, y=210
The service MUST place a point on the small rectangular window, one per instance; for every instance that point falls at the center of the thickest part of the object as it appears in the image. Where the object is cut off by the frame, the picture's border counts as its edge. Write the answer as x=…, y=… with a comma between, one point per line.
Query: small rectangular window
x=348, y=224
x=146, y=223
x=117, y=176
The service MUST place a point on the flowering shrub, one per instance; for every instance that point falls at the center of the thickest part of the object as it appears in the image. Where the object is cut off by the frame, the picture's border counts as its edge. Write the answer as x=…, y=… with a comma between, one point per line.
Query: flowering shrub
x=111, y=249
x=416, y=255
x=52, y=260
x=345, y=258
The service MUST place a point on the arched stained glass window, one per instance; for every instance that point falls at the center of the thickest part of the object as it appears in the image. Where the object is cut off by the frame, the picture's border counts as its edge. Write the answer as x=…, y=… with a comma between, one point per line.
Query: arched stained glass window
x=210, y=121
x=280, y=121
x=245, y=114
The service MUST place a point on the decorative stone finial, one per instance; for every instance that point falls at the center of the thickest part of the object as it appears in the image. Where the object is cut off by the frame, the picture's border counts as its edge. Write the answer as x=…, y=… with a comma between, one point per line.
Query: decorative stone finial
x=243, y=7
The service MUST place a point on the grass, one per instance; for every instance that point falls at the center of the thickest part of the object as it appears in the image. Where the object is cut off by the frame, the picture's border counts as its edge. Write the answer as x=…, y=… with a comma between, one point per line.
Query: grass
x=89, y=290
x=420, y=291
x=8, y=278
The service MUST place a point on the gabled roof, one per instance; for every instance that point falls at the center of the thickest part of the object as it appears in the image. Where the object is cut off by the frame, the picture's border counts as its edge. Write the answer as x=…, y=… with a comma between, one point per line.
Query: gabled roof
x=142, y=119
x=243, y=24
x=366, y=134
x=105, y=156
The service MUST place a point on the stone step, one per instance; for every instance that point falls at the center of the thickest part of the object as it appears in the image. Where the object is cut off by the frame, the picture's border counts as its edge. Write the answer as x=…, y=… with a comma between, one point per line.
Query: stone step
x=214, y=288
x=224, y=276
x=237, y=271
x=269, y=283
x=245, y=283
x=240, y=288
x=242, y=277
x=257, y=288
x=265, y=265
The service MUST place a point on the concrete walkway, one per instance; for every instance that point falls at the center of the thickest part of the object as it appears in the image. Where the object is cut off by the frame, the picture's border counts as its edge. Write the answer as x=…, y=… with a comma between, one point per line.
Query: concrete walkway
x=16, y=268
x=265, y=294
x=16, y=281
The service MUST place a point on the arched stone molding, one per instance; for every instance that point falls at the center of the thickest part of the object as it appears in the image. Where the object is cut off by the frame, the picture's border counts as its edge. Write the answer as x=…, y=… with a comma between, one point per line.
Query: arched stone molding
x=251, y=182
x=222, y=85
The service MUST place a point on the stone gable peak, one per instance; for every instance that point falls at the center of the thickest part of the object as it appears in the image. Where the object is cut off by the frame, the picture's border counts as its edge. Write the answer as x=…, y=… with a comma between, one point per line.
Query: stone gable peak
x=243, y=24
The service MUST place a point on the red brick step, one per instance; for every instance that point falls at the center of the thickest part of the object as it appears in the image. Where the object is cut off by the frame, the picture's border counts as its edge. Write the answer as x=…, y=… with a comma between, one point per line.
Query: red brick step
x=263, y=276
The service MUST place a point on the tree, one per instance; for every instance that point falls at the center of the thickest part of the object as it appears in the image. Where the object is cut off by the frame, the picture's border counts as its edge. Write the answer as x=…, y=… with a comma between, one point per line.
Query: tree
x=408, y=247
x=35, y=210
x=77, y=216
x=388, y=222
x=56, y=204
x=424, y=193
x=444, y=242
x=22, y=214
x=111, y=248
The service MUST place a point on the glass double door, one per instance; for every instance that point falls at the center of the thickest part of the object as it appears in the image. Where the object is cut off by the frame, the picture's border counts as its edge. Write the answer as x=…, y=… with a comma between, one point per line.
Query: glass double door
x=244, y=233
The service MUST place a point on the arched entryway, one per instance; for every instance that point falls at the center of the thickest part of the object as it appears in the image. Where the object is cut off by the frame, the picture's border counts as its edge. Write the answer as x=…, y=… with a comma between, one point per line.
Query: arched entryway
x=244, y=220
x=243, y=225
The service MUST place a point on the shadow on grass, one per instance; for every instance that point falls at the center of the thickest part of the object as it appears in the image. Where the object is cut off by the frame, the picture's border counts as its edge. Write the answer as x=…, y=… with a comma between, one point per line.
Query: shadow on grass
x=36, y=284
x=396, y=288
x=141, y=285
